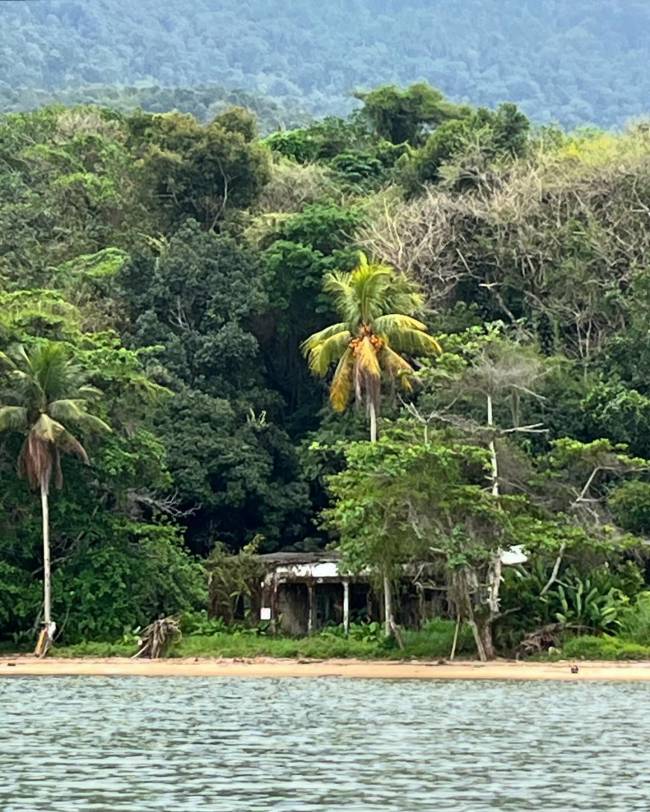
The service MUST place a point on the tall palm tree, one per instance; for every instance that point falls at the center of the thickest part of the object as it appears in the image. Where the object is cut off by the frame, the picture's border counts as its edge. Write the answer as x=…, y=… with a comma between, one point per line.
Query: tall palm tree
x=45, y=393
x=377, y=307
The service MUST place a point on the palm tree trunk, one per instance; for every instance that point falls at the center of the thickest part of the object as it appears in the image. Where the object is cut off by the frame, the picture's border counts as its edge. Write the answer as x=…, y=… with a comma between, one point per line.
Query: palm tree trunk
x=47, y=587
x=388, y=598
x=372, y=411
x=46, y=636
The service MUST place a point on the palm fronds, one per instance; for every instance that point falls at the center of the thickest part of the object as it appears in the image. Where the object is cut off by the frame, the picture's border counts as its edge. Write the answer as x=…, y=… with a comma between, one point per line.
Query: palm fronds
x=398, y=368
x=325, y=348
x=157, y=638
x=47, y=393
x=342, y=385
x=13, y=418
x=377, y=308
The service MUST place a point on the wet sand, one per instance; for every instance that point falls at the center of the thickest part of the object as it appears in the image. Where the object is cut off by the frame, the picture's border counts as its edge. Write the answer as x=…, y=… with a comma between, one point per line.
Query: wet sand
x=357, y=669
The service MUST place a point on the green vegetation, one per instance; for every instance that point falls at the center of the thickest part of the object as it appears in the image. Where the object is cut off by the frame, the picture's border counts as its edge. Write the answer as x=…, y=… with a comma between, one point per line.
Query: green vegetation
x=434, y=641
x=49, y=393
x=165, y=276
x=577, y=63
x=204, y=102
x=377, y=308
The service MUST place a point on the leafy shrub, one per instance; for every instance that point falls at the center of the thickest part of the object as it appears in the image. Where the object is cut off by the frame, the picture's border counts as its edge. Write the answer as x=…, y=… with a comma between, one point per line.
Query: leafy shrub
x=198, y=623
x=20, y=596
x=369, y=632
x=584, y=602
x=630, y=504
x=635, y=622
x=232, y=579
x=104, y=592
x=589, y=647
x=596, y=601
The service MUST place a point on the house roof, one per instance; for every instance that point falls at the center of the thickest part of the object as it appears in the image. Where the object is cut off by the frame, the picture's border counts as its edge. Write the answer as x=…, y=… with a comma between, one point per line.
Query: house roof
x=274, y=559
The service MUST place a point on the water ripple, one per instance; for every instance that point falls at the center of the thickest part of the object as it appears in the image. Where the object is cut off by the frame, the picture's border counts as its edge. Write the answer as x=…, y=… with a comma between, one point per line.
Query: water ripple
x=225, y=745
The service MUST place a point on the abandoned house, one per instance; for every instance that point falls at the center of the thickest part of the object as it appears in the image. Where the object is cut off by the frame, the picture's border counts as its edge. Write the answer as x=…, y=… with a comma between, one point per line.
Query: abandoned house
x=300, y=593
x=303, y=592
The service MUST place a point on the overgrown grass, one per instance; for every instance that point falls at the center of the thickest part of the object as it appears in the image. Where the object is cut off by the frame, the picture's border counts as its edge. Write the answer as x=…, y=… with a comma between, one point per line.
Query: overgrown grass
x=95, y=649
x=433, y=642
x=244, y=645
x=589, y=647
x=364, y=643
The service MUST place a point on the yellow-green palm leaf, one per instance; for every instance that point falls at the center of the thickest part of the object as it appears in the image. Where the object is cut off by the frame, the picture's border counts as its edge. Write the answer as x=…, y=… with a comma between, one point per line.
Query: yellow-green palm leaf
x=13, y=418
x=407, y=334
x=342, y=386
x=377, y=309
x=398, y=368
x=326, y=348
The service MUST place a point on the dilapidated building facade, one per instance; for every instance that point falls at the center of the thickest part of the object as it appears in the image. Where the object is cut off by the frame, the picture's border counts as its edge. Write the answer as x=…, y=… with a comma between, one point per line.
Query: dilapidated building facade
x=303, y=592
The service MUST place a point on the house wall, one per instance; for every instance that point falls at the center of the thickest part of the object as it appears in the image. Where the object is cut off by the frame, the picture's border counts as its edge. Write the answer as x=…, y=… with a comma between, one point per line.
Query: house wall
x=293, y=608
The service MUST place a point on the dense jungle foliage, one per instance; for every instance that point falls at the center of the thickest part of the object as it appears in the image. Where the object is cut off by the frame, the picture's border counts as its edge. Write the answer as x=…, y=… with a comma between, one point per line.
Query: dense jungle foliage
x=181, y=264
x=577, y=63
x=204, y=102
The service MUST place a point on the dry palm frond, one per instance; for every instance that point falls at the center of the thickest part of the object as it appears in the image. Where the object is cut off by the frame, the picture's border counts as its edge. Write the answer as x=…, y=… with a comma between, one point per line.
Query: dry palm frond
x=342, y=383
x=398, y=368
x=157, y=637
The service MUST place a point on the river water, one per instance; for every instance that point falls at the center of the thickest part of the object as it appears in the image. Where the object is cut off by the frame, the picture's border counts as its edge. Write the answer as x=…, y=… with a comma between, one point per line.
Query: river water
x=180, y=745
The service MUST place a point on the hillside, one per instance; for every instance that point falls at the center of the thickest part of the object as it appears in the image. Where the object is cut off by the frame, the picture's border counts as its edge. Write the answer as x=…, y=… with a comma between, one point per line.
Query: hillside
x=178, y=267
x=576, y=63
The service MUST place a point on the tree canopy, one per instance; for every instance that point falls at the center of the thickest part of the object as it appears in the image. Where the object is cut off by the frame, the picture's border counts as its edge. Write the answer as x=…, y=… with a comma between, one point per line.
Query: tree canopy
x=180, y=264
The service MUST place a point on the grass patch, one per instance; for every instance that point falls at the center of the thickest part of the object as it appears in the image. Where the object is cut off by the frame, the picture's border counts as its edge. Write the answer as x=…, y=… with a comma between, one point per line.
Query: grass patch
x=246, y=645
x=589, y=647
x=434, y=641
x=90, y=649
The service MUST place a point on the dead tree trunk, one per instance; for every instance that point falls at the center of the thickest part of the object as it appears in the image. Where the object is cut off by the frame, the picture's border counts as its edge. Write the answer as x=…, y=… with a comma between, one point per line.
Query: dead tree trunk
x=468, y=595
x=482, y=631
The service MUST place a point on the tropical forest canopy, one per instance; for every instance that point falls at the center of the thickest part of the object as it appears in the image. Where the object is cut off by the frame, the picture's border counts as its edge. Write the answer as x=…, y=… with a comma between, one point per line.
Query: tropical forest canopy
x=579, y=62
x=495, y=319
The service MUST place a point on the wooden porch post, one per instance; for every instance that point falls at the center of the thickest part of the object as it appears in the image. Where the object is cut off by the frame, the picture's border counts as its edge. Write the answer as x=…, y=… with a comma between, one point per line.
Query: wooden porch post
x=311, y=618
x=346, y=606
x=274, y=607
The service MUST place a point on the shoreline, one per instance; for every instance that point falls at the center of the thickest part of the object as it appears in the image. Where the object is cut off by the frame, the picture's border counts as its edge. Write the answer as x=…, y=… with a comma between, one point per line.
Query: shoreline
x=268, y=668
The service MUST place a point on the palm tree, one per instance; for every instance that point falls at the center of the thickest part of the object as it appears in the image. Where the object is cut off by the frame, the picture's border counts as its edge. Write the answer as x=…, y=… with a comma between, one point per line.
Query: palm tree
x=377, y=307
x=46, y=393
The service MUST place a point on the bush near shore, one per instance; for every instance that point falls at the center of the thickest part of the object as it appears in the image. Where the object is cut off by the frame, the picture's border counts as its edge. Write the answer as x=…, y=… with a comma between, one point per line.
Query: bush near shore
x=365, y=642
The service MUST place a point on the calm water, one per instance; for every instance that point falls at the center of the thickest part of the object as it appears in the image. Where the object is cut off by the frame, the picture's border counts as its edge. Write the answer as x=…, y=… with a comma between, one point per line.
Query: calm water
x=181, y=745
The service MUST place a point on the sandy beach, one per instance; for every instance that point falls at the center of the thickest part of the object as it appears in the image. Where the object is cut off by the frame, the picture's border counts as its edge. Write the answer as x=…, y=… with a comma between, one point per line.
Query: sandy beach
x=357, y=669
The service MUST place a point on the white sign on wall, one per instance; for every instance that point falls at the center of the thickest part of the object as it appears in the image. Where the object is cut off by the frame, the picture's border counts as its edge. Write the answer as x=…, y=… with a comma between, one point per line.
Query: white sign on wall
x=265, y=613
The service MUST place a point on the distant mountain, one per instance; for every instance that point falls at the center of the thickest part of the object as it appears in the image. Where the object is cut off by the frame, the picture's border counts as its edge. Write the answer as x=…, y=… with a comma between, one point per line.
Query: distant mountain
x=572, y=61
